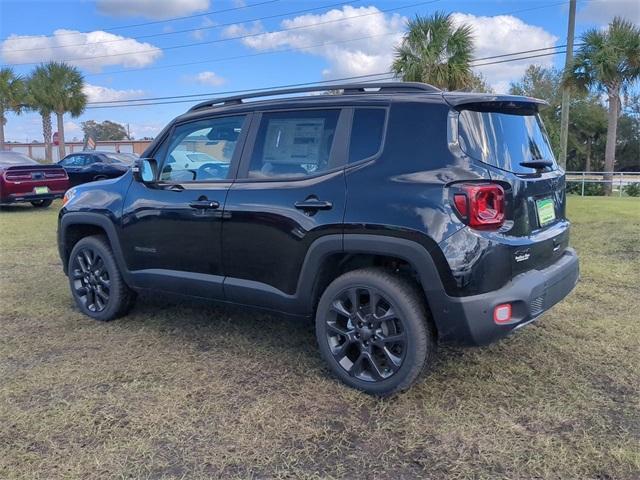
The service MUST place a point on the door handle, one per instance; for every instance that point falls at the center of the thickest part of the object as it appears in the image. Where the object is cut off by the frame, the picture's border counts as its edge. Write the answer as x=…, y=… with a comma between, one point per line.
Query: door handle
x=204, y=204
x=313, y=204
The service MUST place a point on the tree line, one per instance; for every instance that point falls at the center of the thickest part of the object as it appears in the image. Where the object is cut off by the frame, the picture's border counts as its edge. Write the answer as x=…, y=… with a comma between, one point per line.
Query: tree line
x=52, y=88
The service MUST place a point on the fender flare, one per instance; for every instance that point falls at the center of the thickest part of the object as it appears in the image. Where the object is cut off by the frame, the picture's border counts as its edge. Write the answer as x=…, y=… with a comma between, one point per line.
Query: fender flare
x=410, y=251
x=97, y=220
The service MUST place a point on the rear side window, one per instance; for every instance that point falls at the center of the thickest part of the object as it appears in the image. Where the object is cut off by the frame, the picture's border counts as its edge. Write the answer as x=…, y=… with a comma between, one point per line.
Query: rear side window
x=294, y=144
x=504, y=140
x=367, y=131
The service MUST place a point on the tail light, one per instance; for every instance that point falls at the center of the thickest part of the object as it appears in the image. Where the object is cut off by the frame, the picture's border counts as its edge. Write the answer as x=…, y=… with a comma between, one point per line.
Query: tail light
x=480, y=205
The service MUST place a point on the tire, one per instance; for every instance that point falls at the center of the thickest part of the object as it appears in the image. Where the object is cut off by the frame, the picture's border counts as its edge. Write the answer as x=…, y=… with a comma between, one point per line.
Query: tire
x=41, y=203
x=381, y=353
x=95, y=280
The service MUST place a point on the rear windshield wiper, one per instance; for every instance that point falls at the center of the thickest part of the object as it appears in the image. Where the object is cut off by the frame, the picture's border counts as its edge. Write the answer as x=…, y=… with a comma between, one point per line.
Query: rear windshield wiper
x=537, y=164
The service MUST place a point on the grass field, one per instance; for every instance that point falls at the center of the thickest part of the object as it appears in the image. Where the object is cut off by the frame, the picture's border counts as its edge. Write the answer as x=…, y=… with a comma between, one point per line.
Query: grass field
x=185, y=391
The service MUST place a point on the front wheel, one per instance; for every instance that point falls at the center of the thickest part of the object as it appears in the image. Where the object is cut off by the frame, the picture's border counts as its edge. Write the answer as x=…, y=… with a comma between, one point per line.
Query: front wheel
x=373, y=331
x=96, y=284
x=41, y=203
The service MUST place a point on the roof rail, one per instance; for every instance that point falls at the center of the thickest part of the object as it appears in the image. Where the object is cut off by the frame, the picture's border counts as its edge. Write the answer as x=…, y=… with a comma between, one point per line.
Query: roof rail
x=347, y=89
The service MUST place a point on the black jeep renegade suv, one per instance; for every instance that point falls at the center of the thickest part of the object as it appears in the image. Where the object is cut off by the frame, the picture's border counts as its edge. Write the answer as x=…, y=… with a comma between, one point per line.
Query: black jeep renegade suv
x=396, y=214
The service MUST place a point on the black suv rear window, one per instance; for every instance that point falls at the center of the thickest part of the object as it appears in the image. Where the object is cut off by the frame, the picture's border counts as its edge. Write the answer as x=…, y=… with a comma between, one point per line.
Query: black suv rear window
x=366, y=133
x=504, y=140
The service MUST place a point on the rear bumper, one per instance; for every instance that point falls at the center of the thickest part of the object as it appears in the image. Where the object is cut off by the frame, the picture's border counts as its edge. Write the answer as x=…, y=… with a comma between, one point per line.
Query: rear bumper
x=31, y=197
x=469, y=320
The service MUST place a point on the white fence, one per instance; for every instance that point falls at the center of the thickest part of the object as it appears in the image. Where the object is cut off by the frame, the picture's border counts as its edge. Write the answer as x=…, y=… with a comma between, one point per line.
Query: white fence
x=618, y=181
x=36, y=150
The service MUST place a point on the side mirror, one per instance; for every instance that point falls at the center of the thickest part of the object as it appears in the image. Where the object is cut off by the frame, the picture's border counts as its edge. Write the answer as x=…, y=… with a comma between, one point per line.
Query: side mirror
x=145, y=170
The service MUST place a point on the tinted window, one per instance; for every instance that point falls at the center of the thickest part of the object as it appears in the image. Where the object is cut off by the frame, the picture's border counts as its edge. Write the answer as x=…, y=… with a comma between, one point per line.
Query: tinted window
x=73, y=161
x=118, y=158
x=202, y=150
x=366, y=133
x=294, y=144
x=504, y=140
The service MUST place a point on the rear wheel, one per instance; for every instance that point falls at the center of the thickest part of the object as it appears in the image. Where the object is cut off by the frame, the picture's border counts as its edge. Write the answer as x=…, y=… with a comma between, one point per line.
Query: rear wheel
x=96, y=284
x=41, y=203
x=373, y=331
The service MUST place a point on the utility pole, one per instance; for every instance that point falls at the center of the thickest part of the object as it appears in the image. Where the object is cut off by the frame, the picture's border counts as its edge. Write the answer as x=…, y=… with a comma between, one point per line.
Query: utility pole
x=566, y=94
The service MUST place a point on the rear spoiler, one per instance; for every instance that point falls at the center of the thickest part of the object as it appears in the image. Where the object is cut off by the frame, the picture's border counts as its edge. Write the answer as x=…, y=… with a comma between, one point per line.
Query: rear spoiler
x=494, y=103
x=47, y=166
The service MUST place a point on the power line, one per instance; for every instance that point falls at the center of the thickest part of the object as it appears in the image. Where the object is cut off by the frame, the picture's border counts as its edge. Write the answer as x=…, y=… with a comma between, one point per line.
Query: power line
x=239, y=37
x=122, y=27
x=188, y=30
x=473, y=60
x=213, y=94
x=388, y=74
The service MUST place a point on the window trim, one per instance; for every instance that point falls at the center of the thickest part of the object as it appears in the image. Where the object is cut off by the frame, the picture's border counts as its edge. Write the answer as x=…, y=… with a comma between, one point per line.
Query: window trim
x=376, y=155
x=339, y=150
x=235, y=159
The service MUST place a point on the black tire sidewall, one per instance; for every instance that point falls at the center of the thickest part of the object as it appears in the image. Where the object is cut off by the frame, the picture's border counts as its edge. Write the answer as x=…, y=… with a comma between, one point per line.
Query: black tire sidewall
x=412, y=319
x=116, y=300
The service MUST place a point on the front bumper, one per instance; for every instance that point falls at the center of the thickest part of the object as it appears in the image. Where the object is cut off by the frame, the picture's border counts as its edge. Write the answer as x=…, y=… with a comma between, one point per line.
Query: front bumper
x=470, y=319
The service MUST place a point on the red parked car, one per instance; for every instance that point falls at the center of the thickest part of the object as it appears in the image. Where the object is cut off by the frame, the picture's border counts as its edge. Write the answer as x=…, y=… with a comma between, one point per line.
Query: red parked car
x=22, y=179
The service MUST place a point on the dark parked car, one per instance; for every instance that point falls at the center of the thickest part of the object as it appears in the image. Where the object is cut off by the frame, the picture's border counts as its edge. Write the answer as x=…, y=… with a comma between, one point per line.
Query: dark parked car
x=88, y=166
x=22, y=179
x=396, y=215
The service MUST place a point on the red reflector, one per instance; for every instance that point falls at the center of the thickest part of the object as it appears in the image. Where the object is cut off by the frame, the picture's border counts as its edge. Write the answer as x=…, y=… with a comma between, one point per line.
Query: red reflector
x=502, y=313
x=461, y=204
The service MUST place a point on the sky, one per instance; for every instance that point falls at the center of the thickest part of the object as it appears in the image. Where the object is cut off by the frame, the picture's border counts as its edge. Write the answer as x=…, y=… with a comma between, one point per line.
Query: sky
x=131, y=49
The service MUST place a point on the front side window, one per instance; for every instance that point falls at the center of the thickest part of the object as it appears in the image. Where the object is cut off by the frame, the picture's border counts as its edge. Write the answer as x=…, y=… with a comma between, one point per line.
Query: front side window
x=202, y=150
x=504, y=140
x=294, y=144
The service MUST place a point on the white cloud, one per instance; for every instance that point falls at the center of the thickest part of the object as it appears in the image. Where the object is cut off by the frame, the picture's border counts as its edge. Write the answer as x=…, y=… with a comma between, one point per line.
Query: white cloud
x=208, y=78
x=98, y=49
x=71, y=129
x=493, y=36
x=598, y=12
x=200, y=34
x=97, y=93
x=506, y=34
x=155, y=9
x=349, y=58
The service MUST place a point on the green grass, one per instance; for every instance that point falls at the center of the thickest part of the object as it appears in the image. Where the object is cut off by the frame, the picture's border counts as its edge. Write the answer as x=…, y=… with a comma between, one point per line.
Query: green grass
x=177, y=390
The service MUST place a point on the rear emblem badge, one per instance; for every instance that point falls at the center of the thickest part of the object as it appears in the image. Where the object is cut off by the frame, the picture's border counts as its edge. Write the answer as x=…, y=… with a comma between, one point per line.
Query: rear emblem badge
x=522, y=255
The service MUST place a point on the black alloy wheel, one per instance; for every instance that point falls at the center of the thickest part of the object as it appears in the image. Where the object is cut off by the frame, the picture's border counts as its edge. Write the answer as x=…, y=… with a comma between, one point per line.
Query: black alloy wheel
x=95, y=280
x=90, y=277
x=366, y=334
x=374, y=331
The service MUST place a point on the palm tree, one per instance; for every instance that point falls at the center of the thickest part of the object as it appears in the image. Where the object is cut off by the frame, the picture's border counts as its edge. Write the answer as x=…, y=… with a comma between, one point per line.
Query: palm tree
x=37, y=95
x=608, y=61
x=435, y=51
x=60, y=91
x=12, y=95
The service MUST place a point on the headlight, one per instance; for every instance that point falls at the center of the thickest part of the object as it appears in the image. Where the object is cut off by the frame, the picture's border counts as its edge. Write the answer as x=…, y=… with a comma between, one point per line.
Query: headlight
x=68, y=195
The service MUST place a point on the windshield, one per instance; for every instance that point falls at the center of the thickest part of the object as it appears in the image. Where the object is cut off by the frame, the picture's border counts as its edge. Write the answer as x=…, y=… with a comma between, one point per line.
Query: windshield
x=504, y=140
x=14, y=158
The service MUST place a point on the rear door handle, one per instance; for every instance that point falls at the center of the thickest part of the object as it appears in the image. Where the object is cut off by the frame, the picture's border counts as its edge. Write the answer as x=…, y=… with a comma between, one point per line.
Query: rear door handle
x=313, y=204
x=204, y=204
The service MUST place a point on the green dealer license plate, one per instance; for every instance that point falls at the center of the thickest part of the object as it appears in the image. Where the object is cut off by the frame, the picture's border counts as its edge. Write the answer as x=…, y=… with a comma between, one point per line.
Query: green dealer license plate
x=546, y=211
x=41, y=190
